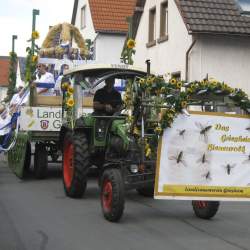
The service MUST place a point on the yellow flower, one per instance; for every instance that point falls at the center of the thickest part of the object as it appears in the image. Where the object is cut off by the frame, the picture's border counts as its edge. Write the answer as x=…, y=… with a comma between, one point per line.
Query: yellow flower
x=192, y=86
x=35, y=35
x=65, y=86
x=70, y=90
x=70, y=103
x=131, y=43
x=183, y=104
x=147, y=150
x=34, y=58
x=150, y=80
x=158, y=130
x=179, y=85
x=136, y=131
x=173, y=81
x=162, y=90
x=142, y=81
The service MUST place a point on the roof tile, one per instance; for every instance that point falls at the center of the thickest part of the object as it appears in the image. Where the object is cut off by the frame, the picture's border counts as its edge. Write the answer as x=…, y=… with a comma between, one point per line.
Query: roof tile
x=217, y=16
x=110, y=15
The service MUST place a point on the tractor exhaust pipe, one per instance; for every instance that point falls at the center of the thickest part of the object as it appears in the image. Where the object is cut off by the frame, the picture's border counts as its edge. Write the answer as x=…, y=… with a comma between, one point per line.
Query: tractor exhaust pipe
x=148, y=66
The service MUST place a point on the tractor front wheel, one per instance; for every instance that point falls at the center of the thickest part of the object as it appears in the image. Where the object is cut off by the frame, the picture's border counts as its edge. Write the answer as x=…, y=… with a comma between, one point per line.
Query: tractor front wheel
x=205, y=209
x=76, y=163
x=112, y=194
x=40, y=161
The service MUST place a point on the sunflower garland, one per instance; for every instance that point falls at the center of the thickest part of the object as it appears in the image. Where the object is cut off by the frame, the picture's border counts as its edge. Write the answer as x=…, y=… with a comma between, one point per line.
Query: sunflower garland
x=175, y=96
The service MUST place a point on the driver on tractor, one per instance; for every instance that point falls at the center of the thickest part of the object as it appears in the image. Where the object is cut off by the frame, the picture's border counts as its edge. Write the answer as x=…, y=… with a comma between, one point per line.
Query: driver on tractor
x=107, y=100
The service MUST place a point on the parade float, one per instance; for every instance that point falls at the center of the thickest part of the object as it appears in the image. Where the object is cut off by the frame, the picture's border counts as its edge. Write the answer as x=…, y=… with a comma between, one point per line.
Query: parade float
x=174, y=140
x=39, y=119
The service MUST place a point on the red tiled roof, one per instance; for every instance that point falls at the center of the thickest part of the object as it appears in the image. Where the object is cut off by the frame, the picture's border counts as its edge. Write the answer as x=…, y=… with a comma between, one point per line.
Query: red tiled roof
x=4, y=71
x=110, y=15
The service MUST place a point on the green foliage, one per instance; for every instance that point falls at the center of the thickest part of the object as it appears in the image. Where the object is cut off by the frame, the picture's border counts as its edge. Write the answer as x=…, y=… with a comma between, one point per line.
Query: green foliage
x=12, y=76
x=31, y=61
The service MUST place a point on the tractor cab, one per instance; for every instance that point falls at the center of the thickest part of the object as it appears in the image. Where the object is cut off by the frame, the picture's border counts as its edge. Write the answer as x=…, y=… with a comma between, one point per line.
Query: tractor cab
x=85, y=81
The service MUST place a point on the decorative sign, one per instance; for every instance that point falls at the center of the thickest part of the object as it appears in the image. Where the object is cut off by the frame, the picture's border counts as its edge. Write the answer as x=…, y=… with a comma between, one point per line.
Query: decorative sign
x=205, y=156
x=40, y=118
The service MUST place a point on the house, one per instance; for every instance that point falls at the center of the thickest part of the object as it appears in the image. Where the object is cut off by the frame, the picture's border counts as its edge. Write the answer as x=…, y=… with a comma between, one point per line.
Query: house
x=193, y=39
x=4, y=74
x=104, y=23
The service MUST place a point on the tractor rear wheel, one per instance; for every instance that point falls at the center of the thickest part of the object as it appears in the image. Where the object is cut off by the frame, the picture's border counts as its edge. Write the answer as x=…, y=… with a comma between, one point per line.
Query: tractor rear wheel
x=76, y=162
x=112, y=194
x=40, y=161
x=205, y=209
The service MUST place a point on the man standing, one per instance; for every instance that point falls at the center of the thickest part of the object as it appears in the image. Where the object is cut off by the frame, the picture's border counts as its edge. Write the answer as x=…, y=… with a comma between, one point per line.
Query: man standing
x=44, y=81
x=107, y=100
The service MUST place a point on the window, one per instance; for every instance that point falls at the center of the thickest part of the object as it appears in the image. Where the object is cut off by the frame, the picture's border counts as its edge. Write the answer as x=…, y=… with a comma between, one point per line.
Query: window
x=164, y=20
x=245, y=6
x=83, y=17
x=152, y=28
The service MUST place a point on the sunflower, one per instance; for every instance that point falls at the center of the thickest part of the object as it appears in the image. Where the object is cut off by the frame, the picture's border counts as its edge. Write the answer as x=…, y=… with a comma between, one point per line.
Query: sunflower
x=150, y=80
x=148, y=150
x=173, y=81
x=183, y=104
x=70, y=90
x=131, y=43
x=179, y=84
x=65, y=86
x=142, y=81
x=34, y=58
x=158, y=130
x=136, y=131
x=193, y=86
x=163, y=90
x=70, y=103
x=35, y=35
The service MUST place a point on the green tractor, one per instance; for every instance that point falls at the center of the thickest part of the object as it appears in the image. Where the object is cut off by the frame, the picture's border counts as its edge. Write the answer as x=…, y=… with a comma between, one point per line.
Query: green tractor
x=123, y=146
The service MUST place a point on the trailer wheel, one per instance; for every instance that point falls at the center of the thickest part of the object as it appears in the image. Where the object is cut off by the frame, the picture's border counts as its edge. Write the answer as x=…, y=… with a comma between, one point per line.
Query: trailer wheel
x=205, y=209
x=27, y=159
x=146, y=191
x=112, y=194
x=40, y=161
x=75, y=164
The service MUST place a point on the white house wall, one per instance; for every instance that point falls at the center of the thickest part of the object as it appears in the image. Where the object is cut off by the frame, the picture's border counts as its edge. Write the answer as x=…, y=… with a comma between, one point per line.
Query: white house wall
x=109, y=47
x=88, y=32
x=3, y=93
x=224, y=58
x=169, y=56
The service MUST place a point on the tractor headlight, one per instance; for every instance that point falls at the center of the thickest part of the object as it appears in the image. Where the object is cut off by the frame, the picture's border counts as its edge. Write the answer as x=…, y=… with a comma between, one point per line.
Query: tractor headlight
x=134, y=168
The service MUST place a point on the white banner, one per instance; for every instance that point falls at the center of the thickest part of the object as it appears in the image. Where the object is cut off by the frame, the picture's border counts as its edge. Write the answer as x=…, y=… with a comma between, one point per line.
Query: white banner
x=40, y=118
x=205, y=156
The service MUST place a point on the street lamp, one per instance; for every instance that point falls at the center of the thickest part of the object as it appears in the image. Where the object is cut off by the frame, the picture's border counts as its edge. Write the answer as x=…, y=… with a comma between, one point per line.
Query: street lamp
x=14, y=37
x=34, y=14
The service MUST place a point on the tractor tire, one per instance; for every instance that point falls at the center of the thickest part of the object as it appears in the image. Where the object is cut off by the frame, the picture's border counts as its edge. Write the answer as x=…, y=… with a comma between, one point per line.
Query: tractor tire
x=112, y=194
x=76, y=162
x=27, y=159
x=146, y=191
x=40, y=161
x=205, y=209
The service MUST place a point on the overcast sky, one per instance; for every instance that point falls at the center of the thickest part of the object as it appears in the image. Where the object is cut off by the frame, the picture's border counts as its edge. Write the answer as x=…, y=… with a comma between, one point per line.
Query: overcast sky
x=16, y=19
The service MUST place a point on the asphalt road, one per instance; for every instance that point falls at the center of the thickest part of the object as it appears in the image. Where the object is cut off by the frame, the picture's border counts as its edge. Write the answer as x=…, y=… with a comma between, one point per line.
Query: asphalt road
x=36, y=215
